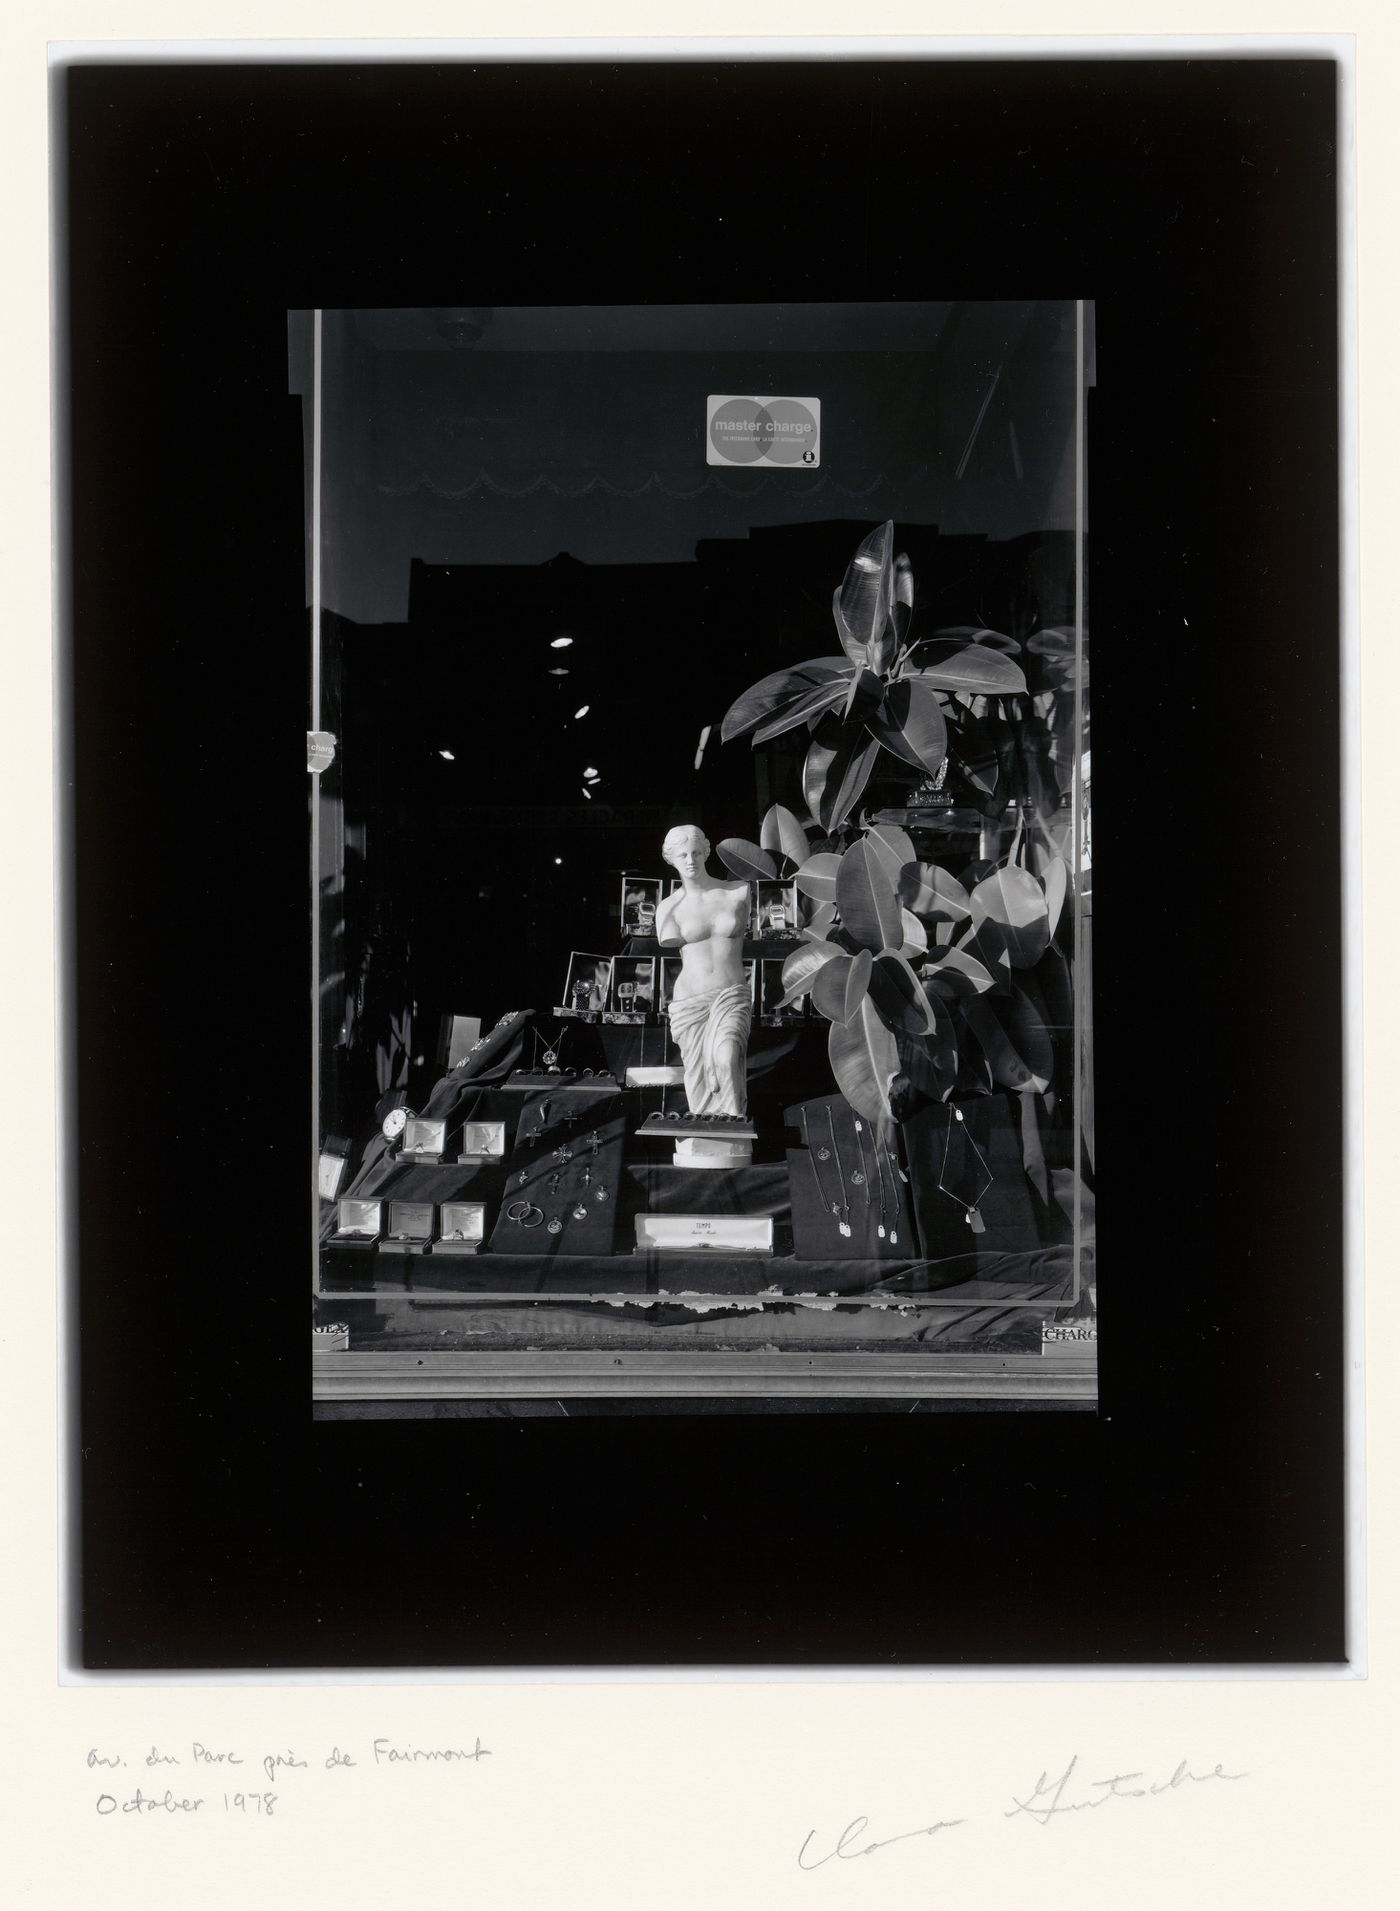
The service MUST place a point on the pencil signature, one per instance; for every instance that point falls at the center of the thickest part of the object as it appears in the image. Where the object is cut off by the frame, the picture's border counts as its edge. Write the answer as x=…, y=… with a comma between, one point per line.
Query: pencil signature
x=1048, y=1799
x=846, y=1846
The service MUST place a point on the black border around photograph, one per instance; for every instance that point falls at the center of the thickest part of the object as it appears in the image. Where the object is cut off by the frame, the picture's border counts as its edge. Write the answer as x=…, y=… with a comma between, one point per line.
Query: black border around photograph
x=1197, y=1519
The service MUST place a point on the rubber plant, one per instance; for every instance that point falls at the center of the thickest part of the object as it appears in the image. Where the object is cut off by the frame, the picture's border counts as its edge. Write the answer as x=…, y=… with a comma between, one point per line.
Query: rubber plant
x=930, y=984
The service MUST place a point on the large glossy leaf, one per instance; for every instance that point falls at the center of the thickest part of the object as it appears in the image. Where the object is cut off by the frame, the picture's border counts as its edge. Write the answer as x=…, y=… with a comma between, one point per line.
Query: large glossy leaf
x=1014, y=900
x=802, y=967
x=782, y=833
x=745, y=859
x=836, y=771
x=977, y=671
x=1055, y=877
x=899, y=996
x=850, y=643
x=902, y=609
x=910, y=722
x=839, y=986
x=927, y=1067
x=985, y=942
x=817, y=877
x=954, y=636
x=810, y=704
x=1014, y=1041
x=864, y=1060
x=894, y=846
x=930, y=891
x=915, y=936
x=768, y=695
x=865, y=896
x=956, y=975
x=866, y=597
x=1053, y=641
x=863, y=695
x=823, y=916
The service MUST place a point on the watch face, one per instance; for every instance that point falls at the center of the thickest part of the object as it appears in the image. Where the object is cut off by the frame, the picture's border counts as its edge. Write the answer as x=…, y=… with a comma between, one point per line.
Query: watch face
x=394, y=1121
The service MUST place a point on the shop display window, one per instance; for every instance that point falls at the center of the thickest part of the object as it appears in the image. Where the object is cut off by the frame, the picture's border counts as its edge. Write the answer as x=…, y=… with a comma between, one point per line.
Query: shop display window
x=700, y=708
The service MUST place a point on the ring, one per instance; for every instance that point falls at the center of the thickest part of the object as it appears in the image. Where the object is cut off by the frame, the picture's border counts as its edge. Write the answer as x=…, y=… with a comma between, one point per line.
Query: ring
x=522, y=1218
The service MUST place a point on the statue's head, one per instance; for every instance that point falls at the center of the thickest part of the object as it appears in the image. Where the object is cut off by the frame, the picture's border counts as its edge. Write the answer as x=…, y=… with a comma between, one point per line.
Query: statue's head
x=685, y=849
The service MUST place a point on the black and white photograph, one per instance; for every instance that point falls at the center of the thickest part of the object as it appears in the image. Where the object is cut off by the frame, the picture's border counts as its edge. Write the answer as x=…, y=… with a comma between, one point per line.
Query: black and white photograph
x=587, y=983
x=883, y=749
x=775, y=910
x=461, y=643
x=634, y=985
x=641, y=898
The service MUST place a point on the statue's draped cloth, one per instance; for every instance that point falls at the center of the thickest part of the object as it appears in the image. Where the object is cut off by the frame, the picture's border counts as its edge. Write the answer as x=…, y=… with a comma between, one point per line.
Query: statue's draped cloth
x=712, y=1033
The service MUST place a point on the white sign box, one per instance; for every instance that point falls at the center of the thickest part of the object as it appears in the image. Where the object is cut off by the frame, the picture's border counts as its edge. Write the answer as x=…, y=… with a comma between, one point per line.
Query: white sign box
x=702, y=1233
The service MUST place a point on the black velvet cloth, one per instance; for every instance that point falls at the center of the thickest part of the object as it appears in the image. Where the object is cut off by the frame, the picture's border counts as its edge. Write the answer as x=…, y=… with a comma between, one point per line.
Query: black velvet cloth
x=789, y=1074
x=456, y=1099
x=941, y=1157
x=829, y=1122
x=565, y=1118
x=995, y=1280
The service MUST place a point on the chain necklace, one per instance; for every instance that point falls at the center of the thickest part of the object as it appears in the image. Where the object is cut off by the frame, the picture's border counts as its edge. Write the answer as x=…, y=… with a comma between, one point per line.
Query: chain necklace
x=840, y=1172
x=823, y=1154
x=970, y=1212
x=881, y=1164
x=858, y=1179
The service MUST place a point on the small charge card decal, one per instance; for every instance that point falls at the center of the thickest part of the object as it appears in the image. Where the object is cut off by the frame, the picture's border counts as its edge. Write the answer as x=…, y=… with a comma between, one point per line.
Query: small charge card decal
x=764, y=431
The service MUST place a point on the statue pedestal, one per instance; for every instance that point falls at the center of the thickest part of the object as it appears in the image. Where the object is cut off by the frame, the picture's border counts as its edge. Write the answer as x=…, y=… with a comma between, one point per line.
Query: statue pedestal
x=704, y=1151
x=667, y=1075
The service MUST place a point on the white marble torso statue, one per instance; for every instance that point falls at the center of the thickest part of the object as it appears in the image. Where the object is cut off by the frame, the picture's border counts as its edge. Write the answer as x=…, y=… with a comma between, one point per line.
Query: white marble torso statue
x=712, y=1006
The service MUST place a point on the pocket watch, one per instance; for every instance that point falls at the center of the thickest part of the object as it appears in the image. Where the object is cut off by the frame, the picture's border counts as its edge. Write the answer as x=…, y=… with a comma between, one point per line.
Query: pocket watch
x=394, y=1123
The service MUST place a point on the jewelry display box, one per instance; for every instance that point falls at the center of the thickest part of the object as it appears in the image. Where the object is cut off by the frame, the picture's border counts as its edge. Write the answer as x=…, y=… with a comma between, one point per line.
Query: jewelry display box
x=424, y=1139
x=358, y=1226
x=410, y=1228
x=461, y=1228
x=482, y=1141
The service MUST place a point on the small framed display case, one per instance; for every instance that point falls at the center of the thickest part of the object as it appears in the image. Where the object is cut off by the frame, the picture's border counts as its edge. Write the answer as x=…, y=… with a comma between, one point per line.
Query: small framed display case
x=358, y=1226
x=332, y=1167
x=482, y=1141
x=461, y=1227
x=424, y=1139
x=632, y=997
x=773, y=911
x=587, y=985
x=410, y=1228
x=641, y=898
